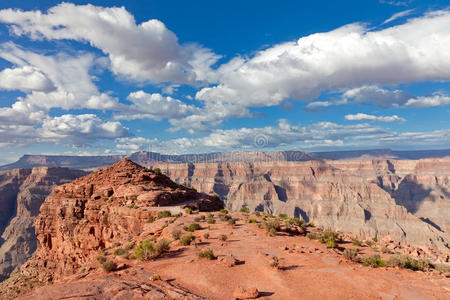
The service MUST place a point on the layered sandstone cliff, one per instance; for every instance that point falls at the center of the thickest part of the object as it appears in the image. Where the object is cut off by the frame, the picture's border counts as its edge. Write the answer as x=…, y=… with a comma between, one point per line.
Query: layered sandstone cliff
x=96, y=211
x=22, y=192
x=406, y=201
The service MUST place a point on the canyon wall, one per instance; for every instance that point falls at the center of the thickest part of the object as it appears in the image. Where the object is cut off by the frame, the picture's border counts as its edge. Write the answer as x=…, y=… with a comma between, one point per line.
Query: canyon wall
x=404, y=200
x=22, y=191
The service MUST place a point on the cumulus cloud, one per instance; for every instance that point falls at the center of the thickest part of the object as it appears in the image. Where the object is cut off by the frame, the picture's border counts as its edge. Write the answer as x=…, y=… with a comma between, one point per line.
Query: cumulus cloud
x=372, y=118
x=79, y=129
x=68, y=74
x=436, y=99
x=26, y=79
x=347, y=57
x=154, y=106
x=146, y=51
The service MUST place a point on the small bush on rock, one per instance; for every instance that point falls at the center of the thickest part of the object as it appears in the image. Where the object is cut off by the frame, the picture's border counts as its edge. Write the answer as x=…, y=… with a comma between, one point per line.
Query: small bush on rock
x=223, y=237
x=176, y=234
x=109, y=266
x=187, y=239
x=374, y=261
x=119, y=252
x=164, y=214
x=407, y=262
x=193, y=227
x=147, y=250
x=209, y=254
x=351, y=254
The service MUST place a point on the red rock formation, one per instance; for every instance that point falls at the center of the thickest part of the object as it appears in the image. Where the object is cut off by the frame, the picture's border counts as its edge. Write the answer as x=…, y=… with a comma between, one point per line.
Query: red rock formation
x=95, y=211
x=22, y=192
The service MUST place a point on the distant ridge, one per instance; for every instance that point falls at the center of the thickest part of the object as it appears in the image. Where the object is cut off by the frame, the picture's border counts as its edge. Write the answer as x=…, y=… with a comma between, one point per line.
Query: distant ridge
x=148, y=158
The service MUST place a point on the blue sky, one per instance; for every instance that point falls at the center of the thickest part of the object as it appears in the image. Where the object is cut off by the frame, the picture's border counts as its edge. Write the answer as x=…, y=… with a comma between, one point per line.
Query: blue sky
x=100, y=77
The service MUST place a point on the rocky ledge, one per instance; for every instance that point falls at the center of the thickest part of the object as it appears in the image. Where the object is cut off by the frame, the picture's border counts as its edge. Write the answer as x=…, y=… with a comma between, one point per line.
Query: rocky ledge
x=94, y=212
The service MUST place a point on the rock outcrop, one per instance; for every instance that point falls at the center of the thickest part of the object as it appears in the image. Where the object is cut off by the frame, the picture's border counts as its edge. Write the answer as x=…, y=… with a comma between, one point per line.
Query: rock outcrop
x=94, y=212
x=22, y=192
x=404, y=200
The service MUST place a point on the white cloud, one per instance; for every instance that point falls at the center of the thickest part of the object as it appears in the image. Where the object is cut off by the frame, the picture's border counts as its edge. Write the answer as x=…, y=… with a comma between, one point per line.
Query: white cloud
x=26, y=79
x=69, y=75
x=376, y=95
x=79, y=129
x=398, y=15
x=347, y=57
x=154, y=106
x=395, y=3
x=324, y=135
x=22, y=113
x=146, y=51
x=436, y=99
x=366, y=117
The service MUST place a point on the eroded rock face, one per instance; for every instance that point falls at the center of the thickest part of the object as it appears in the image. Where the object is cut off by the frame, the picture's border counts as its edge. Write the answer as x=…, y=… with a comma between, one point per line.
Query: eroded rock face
x=405, y=200
x=22, y=192
x=95, y=211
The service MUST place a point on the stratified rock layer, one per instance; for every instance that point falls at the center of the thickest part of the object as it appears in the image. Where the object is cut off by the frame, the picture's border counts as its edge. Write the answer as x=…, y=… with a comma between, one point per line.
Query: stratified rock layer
x=22, y=192
x=402, y=200
x=95, y=211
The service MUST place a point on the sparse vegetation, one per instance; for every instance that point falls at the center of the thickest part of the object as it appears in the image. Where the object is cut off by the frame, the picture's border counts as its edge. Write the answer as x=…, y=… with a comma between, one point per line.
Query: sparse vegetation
x=188, y=210
x=223, y=237
x=224, y=211
x=232, y=221
x=164, y=214
x=283, y=216
x=272, y=226
x=356, y=242
x=109, y=266
x=407, y=262
x=329, y=238
x=119, y=252
x=193, y=227
x=147, y=250
x=373, y=261
x=206, y=235
x=252, y=221
x=101, y=259
x=351, y=254
x=211, y=221
x=275, y=263
x=245, y=210
x=157, y=171
x=386, y=250
x=176, y=234
x=209, y=254
x=187, y=239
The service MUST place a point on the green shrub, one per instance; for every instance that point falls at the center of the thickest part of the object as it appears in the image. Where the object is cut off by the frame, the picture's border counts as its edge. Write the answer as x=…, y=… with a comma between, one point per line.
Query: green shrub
x=224, y=211
x=223, y=237
x=295, y=221
x=257, y=213
x=147, y=250
x=252, y=221
x=330, y=243
x=351, y=254
x=210, y=215
x=151, y=219
x=369, y=243
x=187, y=239
x=197, y=219
x=188, y=210
x=116, y=244
x=209, y=254
x=272, y=226
x=406, y=262
x=164, y=214
x=211, y=221
x=356, y=242
x=283, y=216
x=193, y=227
x=109, y=266
x=101, y=259
x=375, y=239
x=231, y=221
x=327, y=235
x=120, y=251
x=176, y=234
x=157, y=171
x=374, y=261
x=206, y=235
x=245, y=210
x=441, y=268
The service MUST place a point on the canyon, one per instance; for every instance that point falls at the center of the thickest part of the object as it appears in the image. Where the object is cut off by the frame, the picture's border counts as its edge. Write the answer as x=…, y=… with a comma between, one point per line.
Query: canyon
x=93, y=231
x=22, y=191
